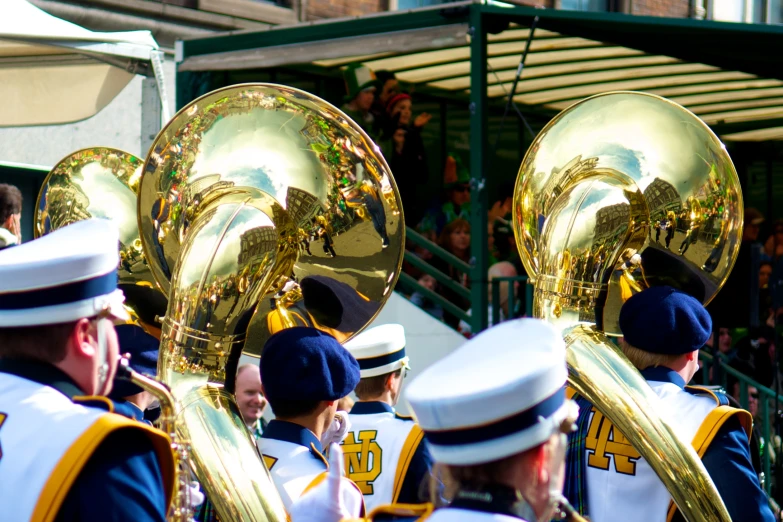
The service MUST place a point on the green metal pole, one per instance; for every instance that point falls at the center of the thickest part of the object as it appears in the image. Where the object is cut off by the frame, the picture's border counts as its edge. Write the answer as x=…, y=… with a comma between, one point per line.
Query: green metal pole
x=478, y=194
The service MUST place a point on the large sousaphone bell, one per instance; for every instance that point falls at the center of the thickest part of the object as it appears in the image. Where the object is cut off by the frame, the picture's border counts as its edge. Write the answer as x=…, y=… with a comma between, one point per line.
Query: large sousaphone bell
x=102, y=182
x=261, y=207
x=588, y=195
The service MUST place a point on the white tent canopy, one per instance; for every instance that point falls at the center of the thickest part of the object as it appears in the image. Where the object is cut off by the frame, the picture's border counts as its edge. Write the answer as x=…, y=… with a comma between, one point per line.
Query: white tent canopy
x=53, y=71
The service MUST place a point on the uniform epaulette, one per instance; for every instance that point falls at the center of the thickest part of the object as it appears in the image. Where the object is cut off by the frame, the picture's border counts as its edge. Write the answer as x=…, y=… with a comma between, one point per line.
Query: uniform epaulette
x=720, y=398
x=95, y=401
x=403, y=417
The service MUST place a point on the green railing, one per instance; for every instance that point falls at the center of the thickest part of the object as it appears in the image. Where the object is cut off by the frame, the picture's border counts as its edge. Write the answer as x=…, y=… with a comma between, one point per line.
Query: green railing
x=409, y=284
x=516, y=305
x=720, y=370
x=412, y=285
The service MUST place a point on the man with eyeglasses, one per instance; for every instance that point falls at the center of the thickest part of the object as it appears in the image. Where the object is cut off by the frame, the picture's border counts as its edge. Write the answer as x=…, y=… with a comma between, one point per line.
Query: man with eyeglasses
x=384, y=451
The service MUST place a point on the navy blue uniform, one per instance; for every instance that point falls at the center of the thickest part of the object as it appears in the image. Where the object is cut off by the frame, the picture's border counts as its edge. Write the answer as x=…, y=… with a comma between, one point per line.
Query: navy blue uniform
x=122, y=480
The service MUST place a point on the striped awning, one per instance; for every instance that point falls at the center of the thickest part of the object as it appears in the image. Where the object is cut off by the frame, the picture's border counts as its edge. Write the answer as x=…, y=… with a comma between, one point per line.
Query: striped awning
x=561, y=70
x=727, y=74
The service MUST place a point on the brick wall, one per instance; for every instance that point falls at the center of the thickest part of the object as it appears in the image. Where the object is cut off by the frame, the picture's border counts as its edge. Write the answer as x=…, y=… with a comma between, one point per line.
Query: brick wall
x=317, y=9
x=668, y=8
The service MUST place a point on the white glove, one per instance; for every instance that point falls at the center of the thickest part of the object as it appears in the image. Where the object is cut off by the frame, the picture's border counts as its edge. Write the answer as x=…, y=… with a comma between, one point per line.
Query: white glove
x=196, y=496
x=337, y=431
x=333, y=500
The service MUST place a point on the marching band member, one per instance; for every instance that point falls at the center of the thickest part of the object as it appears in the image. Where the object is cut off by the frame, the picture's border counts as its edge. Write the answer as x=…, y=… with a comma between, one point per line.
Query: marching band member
x=59, y=459
x=663, y=331
x=496, y=418
x=304, y=372
x=129, y=399
x=385, y=453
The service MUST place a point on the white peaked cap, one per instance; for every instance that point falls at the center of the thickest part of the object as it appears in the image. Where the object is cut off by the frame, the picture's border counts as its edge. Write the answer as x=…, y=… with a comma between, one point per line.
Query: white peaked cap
x=499, y=394
x=67, y=275
x=379, y=350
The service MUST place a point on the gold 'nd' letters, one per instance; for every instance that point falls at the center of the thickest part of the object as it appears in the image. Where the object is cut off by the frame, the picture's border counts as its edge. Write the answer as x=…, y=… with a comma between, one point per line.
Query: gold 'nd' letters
x=362, y=459
x=603, y=440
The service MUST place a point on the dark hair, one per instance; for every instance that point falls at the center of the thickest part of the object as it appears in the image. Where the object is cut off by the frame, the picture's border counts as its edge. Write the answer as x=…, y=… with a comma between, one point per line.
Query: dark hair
x=10, y=201
x=384, y=76
x=38, y=343
x=285, y=409
x=372, y=387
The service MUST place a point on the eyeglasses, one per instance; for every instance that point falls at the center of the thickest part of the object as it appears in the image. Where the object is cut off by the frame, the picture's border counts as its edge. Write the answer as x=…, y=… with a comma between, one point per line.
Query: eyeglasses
x=754, y=395
x=461, y=188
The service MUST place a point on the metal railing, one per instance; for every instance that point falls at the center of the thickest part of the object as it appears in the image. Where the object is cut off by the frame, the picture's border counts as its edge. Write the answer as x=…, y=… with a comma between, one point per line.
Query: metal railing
x=412, y=285
x=716, y=371
x=517, y=304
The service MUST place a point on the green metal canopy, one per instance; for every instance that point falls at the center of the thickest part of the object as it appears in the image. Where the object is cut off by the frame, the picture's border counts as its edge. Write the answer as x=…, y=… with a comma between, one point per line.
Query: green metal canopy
x=730, y=75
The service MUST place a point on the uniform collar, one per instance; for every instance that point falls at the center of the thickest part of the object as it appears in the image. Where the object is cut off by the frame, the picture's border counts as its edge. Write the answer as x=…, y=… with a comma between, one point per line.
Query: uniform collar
x=42, y=373
x=257, y=428
x=293, y=433
x=663, y=374
x=490, y=498
x=370, y=408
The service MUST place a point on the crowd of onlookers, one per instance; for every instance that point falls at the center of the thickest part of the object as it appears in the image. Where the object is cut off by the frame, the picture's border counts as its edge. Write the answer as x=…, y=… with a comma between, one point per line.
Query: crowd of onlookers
x=379, y=104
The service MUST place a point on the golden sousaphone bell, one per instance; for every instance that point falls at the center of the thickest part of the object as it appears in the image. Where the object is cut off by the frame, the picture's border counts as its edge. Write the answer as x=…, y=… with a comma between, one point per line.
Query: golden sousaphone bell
x=102, y=182
x=589, y=189
x=260, y=207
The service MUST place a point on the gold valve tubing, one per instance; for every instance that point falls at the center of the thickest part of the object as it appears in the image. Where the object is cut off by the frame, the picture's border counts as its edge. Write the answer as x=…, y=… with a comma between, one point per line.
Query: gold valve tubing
x=601, y=373
x=180, y=509
x=192, y=363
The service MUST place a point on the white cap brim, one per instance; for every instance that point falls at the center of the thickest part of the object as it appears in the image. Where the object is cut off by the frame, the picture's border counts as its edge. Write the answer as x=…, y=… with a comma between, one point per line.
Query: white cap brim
x=502, y=447
x=64, y=313
x=386, y=368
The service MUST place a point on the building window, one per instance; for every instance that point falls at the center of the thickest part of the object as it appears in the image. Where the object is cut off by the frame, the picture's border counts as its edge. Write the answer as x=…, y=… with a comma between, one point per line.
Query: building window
x=413, y=4
x=747, y=11
x=584, y=5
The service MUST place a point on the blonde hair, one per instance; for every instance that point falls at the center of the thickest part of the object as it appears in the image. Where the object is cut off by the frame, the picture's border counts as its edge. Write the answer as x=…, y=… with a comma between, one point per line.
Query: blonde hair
x=642, y=360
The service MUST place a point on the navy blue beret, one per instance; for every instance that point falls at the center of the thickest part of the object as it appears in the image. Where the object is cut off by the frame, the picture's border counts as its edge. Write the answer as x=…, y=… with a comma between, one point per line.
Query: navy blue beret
x=305, y=364
x=143, y=349
x=666, y=321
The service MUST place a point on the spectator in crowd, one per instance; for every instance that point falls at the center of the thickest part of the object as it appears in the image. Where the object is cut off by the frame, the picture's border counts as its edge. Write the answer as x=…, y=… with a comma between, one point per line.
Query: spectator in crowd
x=360, y=88
x=10, y=216
x=725, y=343
x=730, y=307
x=455, y=239
x=773, y=247
x=755, y=355
x=502, y=269
x=250, y=398
x=420, y=300
x=766, y=311
x=456, y=179
x=387, y=87
x=404, y=149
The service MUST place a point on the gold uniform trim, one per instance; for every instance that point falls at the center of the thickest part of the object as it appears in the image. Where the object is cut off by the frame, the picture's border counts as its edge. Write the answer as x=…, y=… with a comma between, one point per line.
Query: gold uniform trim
x=76, y=456
x=412, y=442
x=423, y=511
x=322, y=477
x=707, y=431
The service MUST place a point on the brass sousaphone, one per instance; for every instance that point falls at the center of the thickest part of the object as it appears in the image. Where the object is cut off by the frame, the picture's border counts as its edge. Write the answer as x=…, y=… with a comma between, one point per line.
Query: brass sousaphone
x=260, y=207
x=589, y=190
